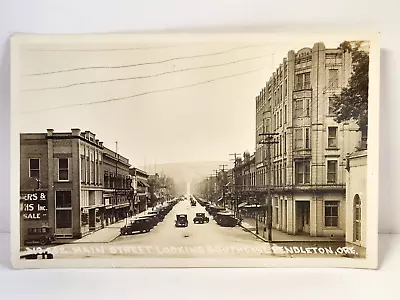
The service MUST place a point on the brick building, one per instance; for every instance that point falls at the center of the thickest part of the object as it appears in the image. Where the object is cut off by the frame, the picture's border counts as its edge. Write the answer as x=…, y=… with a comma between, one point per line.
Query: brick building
x=117, y=187
x=67, y=169
x=141, y=189
x=307, y=171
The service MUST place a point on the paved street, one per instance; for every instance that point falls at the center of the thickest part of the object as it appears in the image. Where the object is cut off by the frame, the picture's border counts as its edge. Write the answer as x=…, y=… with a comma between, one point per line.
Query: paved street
x=195, y=241
x=165, y=240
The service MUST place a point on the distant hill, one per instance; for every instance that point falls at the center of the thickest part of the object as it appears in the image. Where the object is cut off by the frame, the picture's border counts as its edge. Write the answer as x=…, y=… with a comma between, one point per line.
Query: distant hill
x=186, y=172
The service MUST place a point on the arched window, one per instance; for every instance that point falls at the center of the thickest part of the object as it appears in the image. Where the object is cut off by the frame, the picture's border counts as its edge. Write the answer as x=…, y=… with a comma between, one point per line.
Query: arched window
x=357, y=218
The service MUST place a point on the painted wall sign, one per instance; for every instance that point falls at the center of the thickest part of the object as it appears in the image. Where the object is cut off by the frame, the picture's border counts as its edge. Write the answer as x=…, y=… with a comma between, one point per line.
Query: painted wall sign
x=35, y=206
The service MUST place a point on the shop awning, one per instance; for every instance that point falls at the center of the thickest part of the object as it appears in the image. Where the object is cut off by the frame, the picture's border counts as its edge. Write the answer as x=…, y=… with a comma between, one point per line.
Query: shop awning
x=143, y=183
x=242, y=205
x=220, y=199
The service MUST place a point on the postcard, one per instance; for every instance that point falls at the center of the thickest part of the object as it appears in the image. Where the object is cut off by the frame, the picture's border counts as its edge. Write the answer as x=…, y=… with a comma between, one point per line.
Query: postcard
x=195, y=150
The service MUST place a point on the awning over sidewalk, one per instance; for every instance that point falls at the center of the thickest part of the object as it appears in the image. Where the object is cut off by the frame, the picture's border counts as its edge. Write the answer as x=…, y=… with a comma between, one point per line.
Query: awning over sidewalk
x=142, y=183
x=242, y=205
x=254, y=207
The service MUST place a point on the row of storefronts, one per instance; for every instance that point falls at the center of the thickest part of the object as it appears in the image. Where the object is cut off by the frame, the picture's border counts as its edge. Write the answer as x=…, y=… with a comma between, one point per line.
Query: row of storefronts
x=86, y=186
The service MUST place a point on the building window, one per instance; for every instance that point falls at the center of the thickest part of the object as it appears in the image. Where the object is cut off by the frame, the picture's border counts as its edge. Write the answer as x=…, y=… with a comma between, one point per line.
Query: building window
x=106, y=182
x=285, y=120
x=357, y=219
x=299, y=81
x=87, y=169
x=286, y=87
x=302, y=170
x=331, y=171
x=34, y=167
x=331, y=109
x=92, y=172
x=280, y=119
x=331, y=213
x=298, y=110
x=63, y=199
x=284, y=173
x=333, y=78
x=303, y=81
x=298, y=138
x=307, y=80
x=332, y=137
x=64, y=218
x=307, y=138
x=83, y=169
x=307, y=107
x=284, y=143
x=63, y=169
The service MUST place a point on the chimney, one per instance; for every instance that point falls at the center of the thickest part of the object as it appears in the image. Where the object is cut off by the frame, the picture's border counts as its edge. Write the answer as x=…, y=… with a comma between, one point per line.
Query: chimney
x=97, y=141
x=75, y=131
x=101, y=144
x=50, y=132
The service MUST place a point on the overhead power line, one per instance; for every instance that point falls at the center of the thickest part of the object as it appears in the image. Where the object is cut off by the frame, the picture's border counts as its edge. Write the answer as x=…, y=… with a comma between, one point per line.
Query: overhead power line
x=143, y=77
x=147, y=93
x=144, y=63
x=104, y=50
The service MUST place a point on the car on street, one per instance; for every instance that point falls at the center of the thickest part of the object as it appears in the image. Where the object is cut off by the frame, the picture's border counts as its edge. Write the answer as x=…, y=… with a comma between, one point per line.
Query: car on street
x=193, y=202
x=137, y=225
x=154, y=217
x=181, y=220
x=41, y=235
x=226, y=219
x=201, y=218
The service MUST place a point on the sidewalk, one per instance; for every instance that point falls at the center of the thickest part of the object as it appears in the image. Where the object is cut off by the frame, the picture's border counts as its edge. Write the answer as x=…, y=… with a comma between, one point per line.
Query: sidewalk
x=279, y=236
x=108, y=233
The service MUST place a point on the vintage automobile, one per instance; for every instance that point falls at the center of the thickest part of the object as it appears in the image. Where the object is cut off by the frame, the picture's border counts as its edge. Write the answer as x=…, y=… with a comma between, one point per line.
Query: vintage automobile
x=193, y=202
x=181, y=220
x=137, y=225
x=201, y=218
x=226, y=219
x=39, y=235
x=213, y=210
x=154, y=218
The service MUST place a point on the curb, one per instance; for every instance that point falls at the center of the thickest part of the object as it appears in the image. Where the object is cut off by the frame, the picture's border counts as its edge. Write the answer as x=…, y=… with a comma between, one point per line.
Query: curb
x=255, y=234
x=259, y=237
x=266, y=241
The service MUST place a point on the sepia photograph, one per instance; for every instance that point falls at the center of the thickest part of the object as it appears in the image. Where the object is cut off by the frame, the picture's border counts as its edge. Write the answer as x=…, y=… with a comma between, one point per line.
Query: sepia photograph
x=194, y=150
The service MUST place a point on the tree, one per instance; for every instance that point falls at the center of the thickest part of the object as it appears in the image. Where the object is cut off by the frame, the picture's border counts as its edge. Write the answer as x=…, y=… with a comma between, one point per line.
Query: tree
x=352, y=103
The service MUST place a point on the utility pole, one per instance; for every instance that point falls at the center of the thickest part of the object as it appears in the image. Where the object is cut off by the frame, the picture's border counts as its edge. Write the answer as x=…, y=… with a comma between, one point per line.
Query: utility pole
x=216, y=184
x=212, y=187
x=223, y=184
x=236, y=209
x=268, y=141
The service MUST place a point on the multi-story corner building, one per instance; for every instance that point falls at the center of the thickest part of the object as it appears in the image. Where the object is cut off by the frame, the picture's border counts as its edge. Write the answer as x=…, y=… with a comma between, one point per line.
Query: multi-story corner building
x=117, y=186
x=141, y=189
x=307, y=163
x=62, y=181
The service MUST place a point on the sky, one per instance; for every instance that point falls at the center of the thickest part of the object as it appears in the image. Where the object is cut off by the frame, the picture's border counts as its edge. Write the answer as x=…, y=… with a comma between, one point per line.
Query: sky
x=201, y=114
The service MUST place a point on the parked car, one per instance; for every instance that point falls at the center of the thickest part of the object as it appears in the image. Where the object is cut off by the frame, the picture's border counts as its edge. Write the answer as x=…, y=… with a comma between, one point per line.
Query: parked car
x=154, y=218
x=193, y=202
x=226, y=219
x=137, y=225
x=181, y=220
x=201, y=218
x=39, y=235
